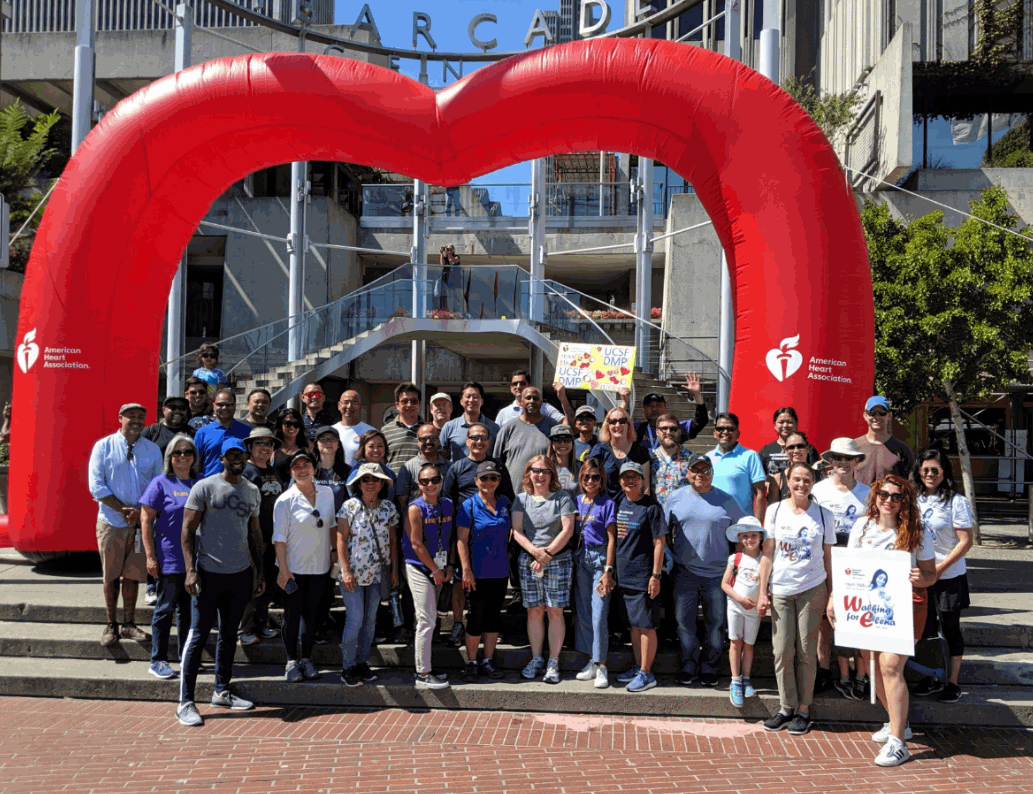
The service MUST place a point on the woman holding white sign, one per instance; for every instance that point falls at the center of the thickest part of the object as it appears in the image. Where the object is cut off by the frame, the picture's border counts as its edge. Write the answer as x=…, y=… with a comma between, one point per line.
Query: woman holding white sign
x=892, y=523
x=797, y=564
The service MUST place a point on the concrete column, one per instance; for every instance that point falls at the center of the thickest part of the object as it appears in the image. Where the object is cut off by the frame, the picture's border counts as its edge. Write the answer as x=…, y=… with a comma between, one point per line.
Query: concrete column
x=643, y=256
x=296, y=244
x=82, y=79
x=536, y=231
x=175, y=374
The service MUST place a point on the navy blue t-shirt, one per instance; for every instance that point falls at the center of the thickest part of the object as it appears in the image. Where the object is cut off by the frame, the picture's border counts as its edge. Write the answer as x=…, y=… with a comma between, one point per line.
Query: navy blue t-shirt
x=638, y=524
x=637, y=454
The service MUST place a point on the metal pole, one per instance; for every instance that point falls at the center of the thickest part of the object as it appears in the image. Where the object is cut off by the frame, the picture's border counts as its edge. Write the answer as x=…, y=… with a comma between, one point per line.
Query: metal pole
x=296, y=248
x=643, y=258
x=726, y=339
x=769, y=42
x=420, y=219
x=536, y=231
x=1029, y=496
x=175, y=374
x=82, y=79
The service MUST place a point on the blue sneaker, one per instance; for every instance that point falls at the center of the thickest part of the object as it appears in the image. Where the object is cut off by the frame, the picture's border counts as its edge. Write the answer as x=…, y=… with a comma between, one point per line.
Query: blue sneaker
x=642, y=682
x=735, y=693
x=629, y=675
x=748, y=690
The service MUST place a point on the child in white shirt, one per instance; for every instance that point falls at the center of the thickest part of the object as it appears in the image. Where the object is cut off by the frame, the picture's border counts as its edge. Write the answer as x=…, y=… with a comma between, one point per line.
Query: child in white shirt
x=741, y=583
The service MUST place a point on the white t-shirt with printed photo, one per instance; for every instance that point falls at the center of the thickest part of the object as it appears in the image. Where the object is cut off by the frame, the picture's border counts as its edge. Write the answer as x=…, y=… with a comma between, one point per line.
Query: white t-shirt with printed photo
x=875, y=538
x=747, y=581
x=940, y=518
x=799, y=562
x=846, y=506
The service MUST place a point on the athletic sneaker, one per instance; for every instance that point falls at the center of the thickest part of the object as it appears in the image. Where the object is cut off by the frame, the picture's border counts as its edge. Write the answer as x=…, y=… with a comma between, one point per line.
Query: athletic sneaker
x=187, y=714
x=269, y=633
x=883, y=734
x=552, y=672
x=688, y=679
x=351, y=677
x=799, y=724
x=863, y=688
x=602, y=677
x=367, y=675
x=151, y=596
x=587, y=673
x=534, y=667
x=294, y=674
x=457, y=636
x=778, y=722
x=930, y=685
x=248, y=638
x=893, y=753
x=308, y=670
x=130, y=631
x=628, y=675
x=489, y=670
x=950, y=694
x=428, y=681
x=708, y=679
x=747, y=688
x=736, y=694
x=470, y=673
x=845, y=687
x=228, y=700
x=161, y=670
x=642, y=682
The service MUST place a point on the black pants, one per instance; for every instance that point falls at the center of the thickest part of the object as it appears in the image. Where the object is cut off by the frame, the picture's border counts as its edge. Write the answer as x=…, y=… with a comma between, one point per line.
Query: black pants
x=301, y=613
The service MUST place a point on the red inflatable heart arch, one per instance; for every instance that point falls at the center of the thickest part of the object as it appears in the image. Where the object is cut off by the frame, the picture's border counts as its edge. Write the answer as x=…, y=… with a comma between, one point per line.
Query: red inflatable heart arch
x=95, y=291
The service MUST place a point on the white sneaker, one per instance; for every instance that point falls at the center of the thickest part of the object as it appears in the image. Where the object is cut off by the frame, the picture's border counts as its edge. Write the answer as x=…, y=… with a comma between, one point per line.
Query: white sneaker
x=602, y=677
x=883, y=734
x=247, y=638
x=552, y=674
x=534, y=667
x=587, y=672
x=893, y=753
x=188, y=715
x=228, y=700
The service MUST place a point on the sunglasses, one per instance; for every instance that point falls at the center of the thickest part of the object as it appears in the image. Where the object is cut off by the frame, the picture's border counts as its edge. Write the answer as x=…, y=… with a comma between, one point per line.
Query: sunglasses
x=702, y=470
x=796, y=446
x=409, y=401
x=668, y=429
x=435, y=480
x=425, y=439
x=593, y=478
x=724, y=429
x=183, y=453
x=489, y=478
x=313, y=394
x=839, y=458
x=613, y=422
x=479, y=437
x=878, y=413
x=262, y=443
x=368, y=478
x=290, y=424
x=208, y=355
x=930, y=472
x=536, y=470
x=563, y=440
x=319, y=519
x=893, y=497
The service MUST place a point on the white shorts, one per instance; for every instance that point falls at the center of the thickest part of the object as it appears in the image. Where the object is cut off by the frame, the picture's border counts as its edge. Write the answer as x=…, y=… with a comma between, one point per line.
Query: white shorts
x=742, y=625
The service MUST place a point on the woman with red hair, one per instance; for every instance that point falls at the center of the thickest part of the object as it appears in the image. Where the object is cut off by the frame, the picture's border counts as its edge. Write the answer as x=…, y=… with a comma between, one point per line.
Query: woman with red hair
x=892, y=523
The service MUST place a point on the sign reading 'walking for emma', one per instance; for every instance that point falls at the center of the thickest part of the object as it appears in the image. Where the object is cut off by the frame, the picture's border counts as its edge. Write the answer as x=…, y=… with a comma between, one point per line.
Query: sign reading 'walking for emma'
x=872, y=599
x=602, y=367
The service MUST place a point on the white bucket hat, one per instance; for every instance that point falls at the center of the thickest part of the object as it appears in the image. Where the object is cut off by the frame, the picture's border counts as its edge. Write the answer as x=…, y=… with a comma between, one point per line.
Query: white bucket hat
x=844, y=446
x=746, y=524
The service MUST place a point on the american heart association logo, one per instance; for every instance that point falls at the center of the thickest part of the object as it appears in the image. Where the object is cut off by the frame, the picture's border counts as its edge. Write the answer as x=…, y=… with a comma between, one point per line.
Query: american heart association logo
x=783, y=360
x=28, y=352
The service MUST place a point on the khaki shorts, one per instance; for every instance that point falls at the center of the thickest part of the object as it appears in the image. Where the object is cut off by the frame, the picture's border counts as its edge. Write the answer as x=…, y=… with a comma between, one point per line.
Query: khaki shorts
x=118, y=555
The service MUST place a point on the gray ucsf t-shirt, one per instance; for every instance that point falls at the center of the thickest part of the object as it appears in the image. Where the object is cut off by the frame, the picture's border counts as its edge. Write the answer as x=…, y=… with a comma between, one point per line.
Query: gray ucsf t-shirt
x=222, y=535
x=542, y=522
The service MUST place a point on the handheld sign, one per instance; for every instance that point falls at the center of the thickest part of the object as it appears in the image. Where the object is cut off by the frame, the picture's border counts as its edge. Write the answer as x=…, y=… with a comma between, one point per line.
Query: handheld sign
x=596, y=367
x=873, y=601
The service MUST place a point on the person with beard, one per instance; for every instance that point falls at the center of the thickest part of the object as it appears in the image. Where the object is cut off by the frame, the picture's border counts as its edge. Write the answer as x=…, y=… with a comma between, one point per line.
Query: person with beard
x=209, y=439
x=176, y=413
x=259, y=401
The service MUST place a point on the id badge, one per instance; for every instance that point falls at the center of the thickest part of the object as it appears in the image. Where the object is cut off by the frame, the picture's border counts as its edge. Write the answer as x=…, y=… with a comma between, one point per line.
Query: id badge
x=441, y=559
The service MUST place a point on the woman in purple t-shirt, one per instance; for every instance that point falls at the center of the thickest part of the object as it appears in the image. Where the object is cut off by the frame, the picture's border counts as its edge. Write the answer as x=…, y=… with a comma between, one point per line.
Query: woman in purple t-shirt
x=161, y=523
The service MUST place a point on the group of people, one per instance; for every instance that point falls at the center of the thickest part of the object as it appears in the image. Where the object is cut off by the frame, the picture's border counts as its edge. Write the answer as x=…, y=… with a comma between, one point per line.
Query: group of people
x=617, y=521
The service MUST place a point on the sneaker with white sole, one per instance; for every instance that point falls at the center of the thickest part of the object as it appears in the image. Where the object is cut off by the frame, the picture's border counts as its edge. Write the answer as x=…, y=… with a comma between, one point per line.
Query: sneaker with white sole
x=488, y=670
x=269, y=633
x=247, y=638
x=429, y=681
x=308, y=670
x=883, y=734
x=161, y=670
x=628, y=675
x=586, y=673
x=736, y=693
x=188, y=715
x=893, y=753
x=748, y=690
x=228, y=700
x=151, y=596
x=602, y=677
x=293, y=673
x=642, y=682
x=534, y=668
x=552, y=672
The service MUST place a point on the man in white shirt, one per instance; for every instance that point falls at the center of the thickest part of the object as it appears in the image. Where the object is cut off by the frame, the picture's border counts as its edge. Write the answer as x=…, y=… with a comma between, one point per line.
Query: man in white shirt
x=350, y=428
x=520, y=380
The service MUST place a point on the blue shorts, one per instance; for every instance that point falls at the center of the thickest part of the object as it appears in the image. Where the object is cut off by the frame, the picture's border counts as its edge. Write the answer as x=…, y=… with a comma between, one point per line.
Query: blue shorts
x=553, y=589
x=643, y=611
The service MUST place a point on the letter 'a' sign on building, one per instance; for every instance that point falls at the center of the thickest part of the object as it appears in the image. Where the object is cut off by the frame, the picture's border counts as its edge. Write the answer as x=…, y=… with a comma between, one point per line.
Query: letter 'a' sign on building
x=871, y=594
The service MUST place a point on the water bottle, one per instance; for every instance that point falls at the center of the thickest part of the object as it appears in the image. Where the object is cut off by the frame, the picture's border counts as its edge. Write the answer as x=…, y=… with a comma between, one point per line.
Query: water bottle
x=395, y=599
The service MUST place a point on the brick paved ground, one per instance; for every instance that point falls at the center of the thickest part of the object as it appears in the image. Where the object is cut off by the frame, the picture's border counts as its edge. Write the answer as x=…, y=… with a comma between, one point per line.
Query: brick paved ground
x=79, y=746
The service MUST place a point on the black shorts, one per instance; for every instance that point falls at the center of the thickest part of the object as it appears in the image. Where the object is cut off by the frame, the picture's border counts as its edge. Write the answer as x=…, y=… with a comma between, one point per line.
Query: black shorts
x=643, y=611
x=951, y=595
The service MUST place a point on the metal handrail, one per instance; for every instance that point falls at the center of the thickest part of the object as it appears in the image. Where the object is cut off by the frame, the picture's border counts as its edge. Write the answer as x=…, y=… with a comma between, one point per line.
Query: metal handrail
x=1020, y=452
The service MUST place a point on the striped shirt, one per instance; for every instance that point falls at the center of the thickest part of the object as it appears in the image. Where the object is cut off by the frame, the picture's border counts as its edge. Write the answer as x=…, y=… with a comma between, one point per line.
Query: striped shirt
x=401, y=442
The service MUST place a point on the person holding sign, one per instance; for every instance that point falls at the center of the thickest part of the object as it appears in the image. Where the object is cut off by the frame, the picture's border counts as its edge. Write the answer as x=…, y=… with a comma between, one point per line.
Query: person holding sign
x=892, y=523
x=797, y=565
x=616, y=447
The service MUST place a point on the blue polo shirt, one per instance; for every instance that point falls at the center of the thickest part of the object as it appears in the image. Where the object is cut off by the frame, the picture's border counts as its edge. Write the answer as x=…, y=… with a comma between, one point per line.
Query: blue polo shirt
x=208, y=441
x=736, y=472
x=453, y=435
x=489, y=536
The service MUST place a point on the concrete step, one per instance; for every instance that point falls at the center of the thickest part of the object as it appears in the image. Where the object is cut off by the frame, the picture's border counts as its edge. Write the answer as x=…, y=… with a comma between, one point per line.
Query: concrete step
x=107, y=679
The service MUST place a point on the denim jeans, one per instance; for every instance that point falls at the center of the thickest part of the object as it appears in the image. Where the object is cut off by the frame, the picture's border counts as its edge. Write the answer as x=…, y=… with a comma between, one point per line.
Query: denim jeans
x=689, y=590
x=360, y=620
x=591, y=610
x=171, y=597
x=223, y=598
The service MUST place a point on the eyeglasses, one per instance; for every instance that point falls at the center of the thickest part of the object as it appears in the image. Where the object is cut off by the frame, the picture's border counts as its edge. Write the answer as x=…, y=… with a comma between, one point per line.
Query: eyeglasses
x=262, y=443
x=479, y=437
x=224, y=405
x=435, y=480
x=313, y=394
x=536, y=470
x=289, y=424
x=878, y=413
x=367, y=479
x=208, y=355
x=319, y=519
x=724, y=429
x=796, y=446
x=182, y=453
x=593, y=478
x=837, y=458
x=668, y=429
x=620, y=421
x=893, y=497
x=489, y=478
x=409, y=401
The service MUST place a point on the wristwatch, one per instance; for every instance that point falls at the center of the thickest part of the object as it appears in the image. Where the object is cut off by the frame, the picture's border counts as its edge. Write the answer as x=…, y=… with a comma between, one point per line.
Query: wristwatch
x=608, y=569
x=654, y=576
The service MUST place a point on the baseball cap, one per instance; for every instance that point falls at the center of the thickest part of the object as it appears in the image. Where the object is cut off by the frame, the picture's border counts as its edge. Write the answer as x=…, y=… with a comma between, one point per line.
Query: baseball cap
x=697, y=458
x=175, y=398
x=130, y=407
x=585, y=410
x=441, y=396
x=487, y=467
x=231, y=443
x=632, y=467
x=560, y=431
x=654, y=397
x=324, y=429
x=876, y=401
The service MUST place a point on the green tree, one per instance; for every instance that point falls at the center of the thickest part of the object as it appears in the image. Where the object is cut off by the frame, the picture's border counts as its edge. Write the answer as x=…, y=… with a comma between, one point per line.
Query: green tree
x=832, y=112
x=23, y=154
x=953, y=308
